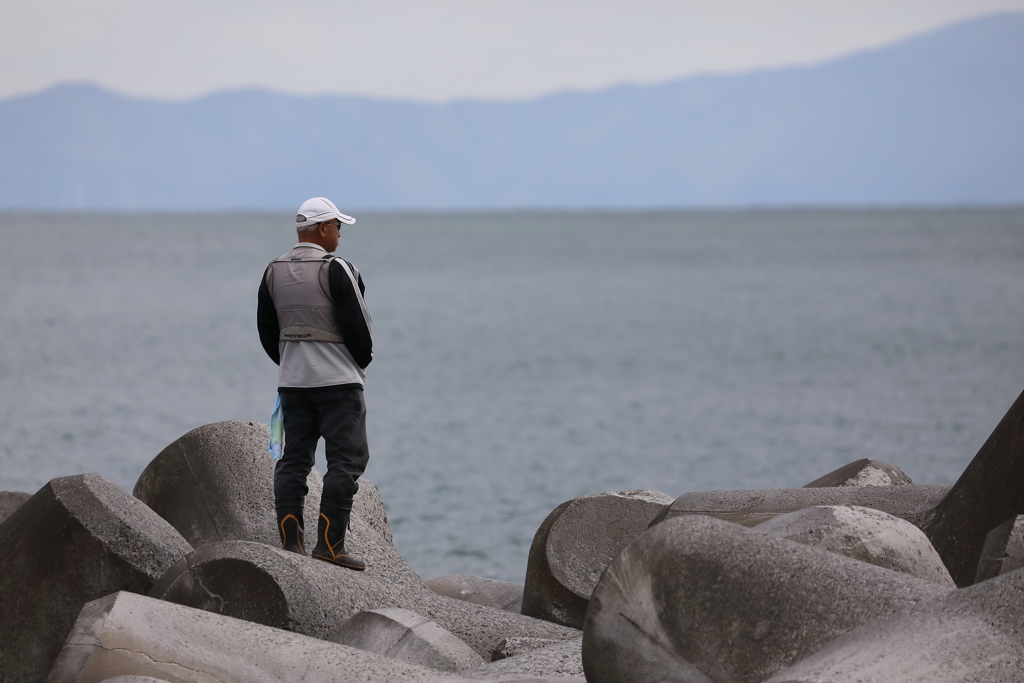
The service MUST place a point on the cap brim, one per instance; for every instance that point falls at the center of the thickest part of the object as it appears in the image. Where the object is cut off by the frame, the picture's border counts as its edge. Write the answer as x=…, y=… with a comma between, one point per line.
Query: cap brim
x=347, y=220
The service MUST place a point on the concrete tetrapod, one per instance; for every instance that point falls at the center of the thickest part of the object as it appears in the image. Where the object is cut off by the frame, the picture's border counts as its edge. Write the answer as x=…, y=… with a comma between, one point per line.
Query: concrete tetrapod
x=479, y=591
x=573, y=546
x=697, y=599
x=989, y=492
x=216, y=483
x=911, y=502
x=125, y=634
x=286, y=590
x=863, y=534
x=77, y=539
x=11, y=501
x=863, y=472
x=408, y=637
x=1003, y=551
x=970, y=634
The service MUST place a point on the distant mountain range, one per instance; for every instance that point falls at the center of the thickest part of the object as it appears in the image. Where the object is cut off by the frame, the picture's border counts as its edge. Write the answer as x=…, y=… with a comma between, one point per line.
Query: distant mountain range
x=935, y=119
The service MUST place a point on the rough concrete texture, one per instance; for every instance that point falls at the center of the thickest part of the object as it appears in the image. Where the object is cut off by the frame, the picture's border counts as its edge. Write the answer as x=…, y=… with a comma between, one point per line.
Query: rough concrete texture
x=700, y=599
x=479, y=591
x=573, y=546
x=990, y=491
x=510, y=647
x=863, y=534
x=11, y=501
x=1003, y=551
x=135, y=679
x=408, y=637
x=126, y=634
x=911, y=502
x=216, y=483
x=285, y=590
x=970, y=634
x=863, y=472
x=558, y=659
x=77, y=539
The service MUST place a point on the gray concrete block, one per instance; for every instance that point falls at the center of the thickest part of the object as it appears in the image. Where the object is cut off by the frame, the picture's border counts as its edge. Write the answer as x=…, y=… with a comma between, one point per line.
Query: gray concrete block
x=700, y=599
x=573, y=546
x=970, y=634
x=216, y=483
x=510, y=647
x=990, y=491
x=285, y=590
x=863, y=534
x=127, y=634
x=479, y=591
x=556, y=659
x=1003, y=551
x=11, y=501
x=77, y=539
x=408, y=637
x=911, y=502
x=863, y=472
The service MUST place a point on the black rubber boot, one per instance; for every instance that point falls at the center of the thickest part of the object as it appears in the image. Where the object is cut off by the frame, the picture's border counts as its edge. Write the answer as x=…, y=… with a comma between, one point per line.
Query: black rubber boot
x=330, y=540
x=289, y=524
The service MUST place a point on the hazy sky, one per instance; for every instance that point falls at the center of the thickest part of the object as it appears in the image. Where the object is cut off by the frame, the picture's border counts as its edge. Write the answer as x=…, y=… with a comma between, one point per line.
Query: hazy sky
x=435, y=50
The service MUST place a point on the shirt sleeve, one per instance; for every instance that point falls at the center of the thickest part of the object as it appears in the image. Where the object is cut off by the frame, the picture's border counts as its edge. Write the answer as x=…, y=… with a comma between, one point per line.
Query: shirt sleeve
x=266, y=322
x=350, y=314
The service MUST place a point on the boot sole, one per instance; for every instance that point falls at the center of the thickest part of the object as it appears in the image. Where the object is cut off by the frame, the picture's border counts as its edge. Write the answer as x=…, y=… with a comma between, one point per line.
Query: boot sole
x=340, y=563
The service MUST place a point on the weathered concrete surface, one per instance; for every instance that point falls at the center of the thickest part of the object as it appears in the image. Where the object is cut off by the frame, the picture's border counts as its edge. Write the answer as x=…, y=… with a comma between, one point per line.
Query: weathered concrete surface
x=479, y=591
x=863, y=472
x=1003, y=551
x=990, y=491
x=130, y=635
x=971, y=634
x=78, y=538
x=11, y=501
x=285, y=590
x=699, y=599
x=559, y=659
x=408, y=637
x=510, y=647
x=216, y=483
x=751, y=507
x=127, y=634
x=135, y=679
x=573, y=546
x=863, y=534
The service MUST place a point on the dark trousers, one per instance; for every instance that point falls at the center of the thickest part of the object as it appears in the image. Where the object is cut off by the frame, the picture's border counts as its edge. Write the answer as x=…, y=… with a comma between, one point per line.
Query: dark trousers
x=339, y=415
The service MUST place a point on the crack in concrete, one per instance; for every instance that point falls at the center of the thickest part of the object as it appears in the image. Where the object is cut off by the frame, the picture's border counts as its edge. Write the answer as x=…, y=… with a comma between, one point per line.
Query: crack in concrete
x=218, y=600
x=157, y=662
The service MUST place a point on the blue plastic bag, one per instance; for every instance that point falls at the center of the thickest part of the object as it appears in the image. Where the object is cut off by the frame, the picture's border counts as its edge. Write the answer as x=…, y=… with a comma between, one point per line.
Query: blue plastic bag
x=276, y=449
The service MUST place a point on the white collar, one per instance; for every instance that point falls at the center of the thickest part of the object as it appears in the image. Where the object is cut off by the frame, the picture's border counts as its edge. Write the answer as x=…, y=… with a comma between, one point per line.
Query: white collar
x=310, y=244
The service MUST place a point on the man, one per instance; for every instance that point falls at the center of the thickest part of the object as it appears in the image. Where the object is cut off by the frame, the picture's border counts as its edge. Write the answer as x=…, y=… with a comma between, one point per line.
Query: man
x=313, y=323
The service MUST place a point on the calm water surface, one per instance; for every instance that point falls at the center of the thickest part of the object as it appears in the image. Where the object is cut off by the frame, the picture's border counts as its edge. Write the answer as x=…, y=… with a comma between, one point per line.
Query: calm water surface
x=526, y=358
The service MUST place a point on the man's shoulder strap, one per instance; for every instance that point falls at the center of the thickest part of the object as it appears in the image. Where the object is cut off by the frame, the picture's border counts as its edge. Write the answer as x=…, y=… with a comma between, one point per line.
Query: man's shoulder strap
x=353, y=276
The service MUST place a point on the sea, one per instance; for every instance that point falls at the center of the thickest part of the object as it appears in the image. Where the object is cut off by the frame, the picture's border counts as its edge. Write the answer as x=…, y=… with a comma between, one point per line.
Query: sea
x=522, y=358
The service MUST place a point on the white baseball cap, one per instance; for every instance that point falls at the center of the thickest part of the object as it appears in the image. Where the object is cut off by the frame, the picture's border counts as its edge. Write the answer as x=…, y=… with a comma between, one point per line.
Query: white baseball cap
x=318, y=210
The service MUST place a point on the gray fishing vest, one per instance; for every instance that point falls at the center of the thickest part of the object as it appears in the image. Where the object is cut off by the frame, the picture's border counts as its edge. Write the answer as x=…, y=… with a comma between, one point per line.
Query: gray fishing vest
x=301, y=290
